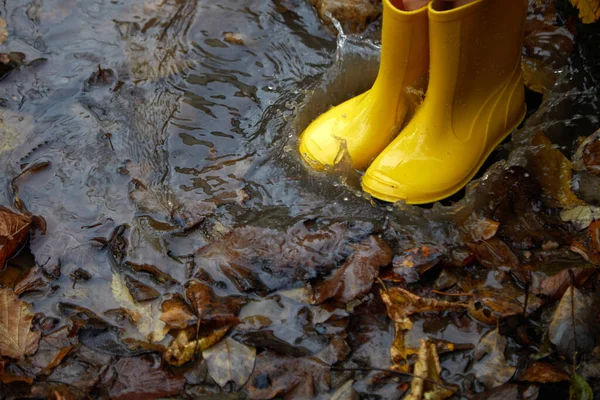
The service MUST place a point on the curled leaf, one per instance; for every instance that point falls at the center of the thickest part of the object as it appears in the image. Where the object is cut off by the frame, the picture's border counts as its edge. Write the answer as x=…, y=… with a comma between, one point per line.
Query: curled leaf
x=427, y=383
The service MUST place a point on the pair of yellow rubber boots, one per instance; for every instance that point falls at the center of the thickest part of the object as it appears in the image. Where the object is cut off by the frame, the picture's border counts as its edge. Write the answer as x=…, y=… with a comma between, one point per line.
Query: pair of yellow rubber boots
x=475, y=98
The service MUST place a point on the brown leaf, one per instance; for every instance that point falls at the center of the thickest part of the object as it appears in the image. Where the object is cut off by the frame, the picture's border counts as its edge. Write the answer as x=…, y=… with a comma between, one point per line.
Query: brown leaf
x=137, y=378
x=14, y=229
x=495, y=254
x=184, y=349
x=358, y=273
x=491, y=305
x=556, y=285
x=156, y=274
x=139, y=291
x=176, y=313
x=230, y=361
x=427, y=383
x=289, y=377
x=16, y=338
x=589, y=10
x=410, y=265
x=32, y=281
x=541, y=372
x=53, y=349
x=12, y=373
x=401, y=304
x=210, y=307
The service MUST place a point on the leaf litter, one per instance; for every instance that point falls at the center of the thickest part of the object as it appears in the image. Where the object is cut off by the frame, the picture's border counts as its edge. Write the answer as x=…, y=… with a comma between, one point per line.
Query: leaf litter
x=493, y=296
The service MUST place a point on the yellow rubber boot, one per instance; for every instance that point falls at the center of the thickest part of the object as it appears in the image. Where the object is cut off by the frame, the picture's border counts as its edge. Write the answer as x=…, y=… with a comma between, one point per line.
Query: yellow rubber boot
x=367, y=123
x=474, y=100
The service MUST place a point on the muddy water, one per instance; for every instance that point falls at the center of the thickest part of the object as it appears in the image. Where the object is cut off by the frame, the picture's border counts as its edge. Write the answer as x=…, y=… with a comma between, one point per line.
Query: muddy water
x=185, y=135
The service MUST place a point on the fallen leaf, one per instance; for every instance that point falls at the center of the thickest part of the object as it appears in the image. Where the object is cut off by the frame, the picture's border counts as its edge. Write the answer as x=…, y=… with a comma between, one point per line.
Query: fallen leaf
x=581, y=216
x=14, y=229
x=137, y=378
x=589, y=10
x=139, y=291
x=401, y=304
x=176, y=313
x=288, y=377
x=3, y=31
x=541, y=372
x=230, y=361
x=556, y=285
x=184, y=349
x=358, y=273
x=495, y=254
x=570, y=329
x=235, y=38
x=427, y=383
x=408, y=266
x=587, y=156
x=148, y=321
x=580, y=389
x=490, y=366
x=491, y=305
x=53, y=348
x=554, y=172
x=32, y=281
x=210, y=307
x=16, y=338
x=10, y=373
x=345, y=392
x=156, y=274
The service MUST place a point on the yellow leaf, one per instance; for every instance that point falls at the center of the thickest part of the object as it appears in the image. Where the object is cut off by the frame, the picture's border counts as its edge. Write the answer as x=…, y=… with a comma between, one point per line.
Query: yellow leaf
x=3, y=31
x=182, y=350
x=589, y=10
x=16, y=338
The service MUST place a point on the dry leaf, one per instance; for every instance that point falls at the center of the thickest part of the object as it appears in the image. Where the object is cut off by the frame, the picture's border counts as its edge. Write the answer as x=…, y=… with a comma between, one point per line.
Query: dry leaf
x=182, y=350
x=148, y=320
x=16, y=338
x=427, y=383
x=230, y=361
x=14, y=229
x=589, y=10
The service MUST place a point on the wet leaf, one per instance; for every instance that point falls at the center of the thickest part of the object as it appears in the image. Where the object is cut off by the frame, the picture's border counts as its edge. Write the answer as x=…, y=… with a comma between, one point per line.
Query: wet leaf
x=139, y=291
x=581, y=216
x=137, y=378
x=288, y=377
x=427, y=383
x=541, y=372
x=184, y=348
x=490, y=366
x=556, y=285
x=3, y=31
x=32, y=281
x=580, y=389
x=235, y=38
x=230, y=361
x=147, y=318
x=156, y=274
x=547, y=163
x=53, y=349
x=401, y=304
x=176, y=313
x=16, y=338
x=410, y=265
x=570, y=329
x=495, y=254
x=587, y=157
x=491, y=305
x=358, y=273
x=210, y=307
x=589, y=10
x=14, y=229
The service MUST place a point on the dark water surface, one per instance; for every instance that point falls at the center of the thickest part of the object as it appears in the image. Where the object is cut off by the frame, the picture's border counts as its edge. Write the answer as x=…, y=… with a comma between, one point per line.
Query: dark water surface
x=185, y=136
